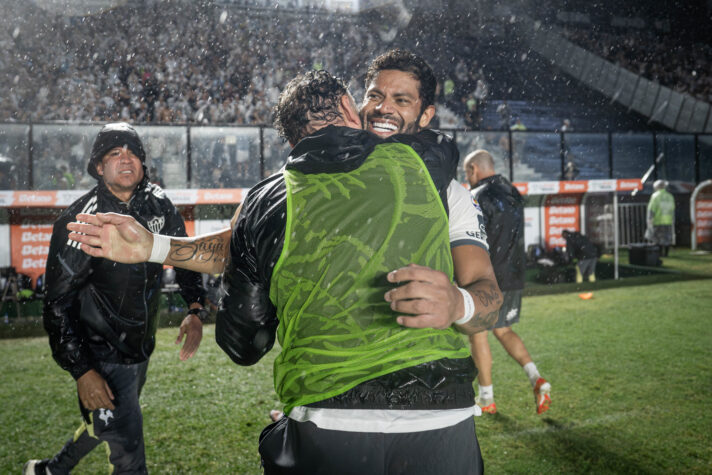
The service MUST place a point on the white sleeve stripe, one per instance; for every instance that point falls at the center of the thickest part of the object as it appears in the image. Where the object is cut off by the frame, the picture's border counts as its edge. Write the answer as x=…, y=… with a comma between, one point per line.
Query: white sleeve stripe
x=89, y=208
x=470, y=242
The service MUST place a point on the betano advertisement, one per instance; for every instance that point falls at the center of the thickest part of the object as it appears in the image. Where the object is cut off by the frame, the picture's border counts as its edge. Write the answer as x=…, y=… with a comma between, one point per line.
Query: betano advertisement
x=560, y=212
x=703, y=218
x=31, y=231
x=33, y=212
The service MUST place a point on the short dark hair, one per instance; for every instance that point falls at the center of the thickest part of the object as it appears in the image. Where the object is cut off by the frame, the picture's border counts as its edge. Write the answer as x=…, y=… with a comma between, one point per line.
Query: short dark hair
x=314, y=95
x=402, y=60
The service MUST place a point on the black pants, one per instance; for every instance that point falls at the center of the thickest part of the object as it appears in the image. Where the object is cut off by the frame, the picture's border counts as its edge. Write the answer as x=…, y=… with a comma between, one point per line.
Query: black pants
x=291, y=447
x=121, y=428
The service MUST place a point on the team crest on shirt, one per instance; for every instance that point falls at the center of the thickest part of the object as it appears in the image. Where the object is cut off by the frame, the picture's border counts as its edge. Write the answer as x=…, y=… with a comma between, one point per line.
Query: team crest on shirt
x=156, y=223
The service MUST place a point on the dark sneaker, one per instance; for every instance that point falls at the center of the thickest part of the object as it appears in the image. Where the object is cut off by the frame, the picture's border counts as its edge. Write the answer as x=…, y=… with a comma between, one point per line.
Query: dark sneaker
x=36, y=467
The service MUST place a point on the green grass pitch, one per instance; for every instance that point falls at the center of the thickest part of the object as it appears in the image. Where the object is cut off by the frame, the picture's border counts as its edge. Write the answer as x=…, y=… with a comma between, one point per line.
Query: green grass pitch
x=631, y=372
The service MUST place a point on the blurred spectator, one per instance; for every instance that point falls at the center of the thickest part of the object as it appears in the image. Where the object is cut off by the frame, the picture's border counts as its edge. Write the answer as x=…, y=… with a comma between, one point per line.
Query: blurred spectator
x=505, y=115
x=518, y=125
x=585, y=252
x=661, y=217
x=155, y=177
x=570, y=171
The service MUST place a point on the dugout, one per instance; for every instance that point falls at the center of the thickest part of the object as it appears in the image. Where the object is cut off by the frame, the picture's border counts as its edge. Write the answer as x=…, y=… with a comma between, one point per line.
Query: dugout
x=588, y=206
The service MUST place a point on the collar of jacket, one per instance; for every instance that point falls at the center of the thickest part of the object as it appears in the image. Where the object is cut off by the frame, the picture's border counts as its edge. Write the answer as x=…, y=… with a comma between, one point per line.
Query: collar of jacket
x=493, y=179
x=332, y=149
x=140, y=191
x=342, y=149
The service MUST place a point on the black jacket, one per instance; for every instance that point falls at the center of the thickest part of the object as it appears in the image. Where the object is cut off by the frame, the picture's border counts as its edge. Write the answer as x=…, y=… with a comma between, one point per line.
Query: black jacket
x=99, y=310
x=503, y=209
x=247, y=320
x=579, y=246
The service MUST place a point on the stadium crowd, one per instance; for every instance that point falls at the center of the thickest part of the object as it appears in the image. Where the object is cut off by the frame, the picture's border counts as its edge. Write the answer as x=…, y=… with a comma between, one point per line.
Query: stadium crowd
x=167, y=62
x=660, y=57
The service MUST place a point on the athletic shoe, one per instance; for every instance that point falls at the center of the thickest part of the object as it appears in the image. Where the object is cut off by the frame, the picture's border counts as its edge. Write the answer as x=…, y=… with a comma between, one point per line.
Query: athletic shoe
x=542, y=397
x=36, y=467
x=487, y=405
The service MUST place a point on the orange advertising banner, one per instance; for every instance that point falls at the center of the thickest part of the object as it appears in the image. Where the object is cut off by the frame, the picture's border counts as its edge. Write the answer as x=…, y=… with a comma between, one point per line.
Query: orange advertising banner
x=63, y=198
x=703, y=218
x=30, y=233
x=561, y=212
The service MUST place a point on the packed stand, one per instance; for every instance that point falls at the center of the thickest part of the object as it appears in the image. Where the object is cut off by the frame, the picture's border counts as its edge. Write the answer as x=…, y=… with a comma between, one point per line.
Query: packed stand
x=167, y=62
x=683, y=67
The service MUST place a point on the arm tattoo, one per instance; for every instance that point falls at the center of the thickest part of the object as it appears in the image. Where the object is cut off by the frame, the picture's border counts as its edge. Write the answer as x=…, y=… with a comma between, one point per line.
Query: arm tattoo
x=485, y=315
x=488, y=296
x=203, y=250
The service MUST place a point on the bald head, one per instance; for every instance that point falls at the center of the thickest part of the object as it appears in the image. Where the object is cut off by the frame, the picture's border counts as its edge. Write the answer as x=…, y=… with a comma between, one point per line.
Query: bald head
x=478, y=165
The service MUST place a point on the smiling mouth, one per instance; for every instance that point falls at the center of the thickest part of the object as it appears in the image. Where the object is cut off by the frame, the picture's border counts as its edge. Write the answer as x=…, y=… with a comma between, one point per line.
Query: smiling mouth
x=382, y=127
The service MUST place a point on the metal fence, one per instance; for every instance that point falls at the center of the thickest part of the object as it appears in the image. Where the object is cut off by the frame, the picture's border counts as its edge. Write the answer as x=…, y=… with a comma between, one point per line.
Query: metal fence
x=631, y=223
x=54, y=156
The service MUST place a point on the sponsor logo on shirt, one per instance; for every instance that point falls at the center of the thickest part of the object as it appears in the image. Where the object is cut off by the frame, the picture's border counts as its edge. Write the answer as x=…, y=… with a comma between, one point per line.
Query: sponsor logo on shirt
x=476, y=204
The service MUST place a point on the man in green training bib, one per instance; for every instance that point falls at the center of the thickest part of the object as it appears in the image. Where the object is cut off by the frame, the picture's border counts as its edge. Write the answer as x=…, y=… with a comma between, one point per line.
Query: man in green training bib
x=366, y=388
x=375, y=376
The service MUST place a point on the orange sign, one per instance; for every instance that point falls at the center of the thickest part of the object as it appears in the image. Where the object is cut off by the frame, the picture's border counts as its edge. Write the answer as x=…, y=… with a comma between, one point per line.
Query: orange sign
x=560, y=212
x=577, y=186
x=30, y=234
x=703, y=218
x=63, y=198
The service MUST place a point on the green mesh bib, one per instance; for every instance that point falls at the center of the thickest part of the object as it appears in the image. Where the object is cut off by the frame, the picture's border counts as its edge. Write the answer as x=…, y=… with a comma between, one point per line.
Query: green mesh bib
x=344, y=233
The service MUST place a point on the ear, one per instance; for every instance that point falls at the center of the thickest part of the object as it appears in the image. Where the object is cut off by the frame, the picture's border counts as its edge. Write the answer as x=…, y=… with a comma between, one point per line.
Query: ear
x=426, y=117
x=349, y=112
x=100, y=169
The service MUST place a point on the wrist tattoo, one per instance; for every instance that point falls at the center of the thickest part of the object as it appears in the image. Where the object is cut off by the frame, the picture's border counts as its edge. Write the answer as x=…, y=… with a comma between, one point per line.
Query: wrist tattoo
x=204, y=250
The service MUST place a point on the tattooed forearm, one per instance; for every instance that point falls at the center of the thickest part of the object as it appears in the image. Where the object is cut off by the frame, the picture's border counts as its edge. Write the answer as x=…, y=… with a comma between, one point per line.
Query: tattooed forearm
x=485, y=320
x=206, y=250
x=207, y=254
x=489, y=296
x=488, y=300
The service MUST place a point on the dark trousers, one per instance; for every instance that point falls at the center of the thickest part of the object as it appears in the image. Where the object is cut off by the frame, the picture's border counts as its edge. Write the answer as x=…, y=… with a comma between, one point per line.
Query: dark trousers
x=121, y=428
x=291, y=447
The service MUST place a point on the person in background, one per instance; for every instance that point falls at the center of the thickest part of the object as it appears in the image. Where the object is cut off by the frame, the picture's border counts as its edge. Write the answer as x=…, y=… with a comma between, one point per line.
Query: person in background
x=585, y=252
x=503, y=210
x=661, y=217
x=101, y=317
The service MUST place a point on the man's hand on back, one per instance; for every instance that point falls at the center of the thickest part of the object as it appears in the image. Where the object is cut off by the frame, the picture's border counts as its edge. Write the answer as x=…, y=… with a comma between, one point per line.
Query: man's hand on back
x=112, y=236
x=429, y=298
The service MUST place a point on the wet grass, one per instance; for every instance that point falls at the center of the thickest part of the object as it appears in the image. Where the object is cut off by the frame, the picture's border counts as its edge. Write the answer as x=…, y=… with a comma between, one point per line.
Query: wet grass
x=631, y=371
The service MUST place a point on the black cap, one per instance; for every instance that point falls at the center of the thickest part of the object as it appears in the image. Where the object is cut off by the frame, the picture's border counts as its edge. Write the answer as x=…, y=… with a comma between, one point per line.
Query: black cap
x=117, y=134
